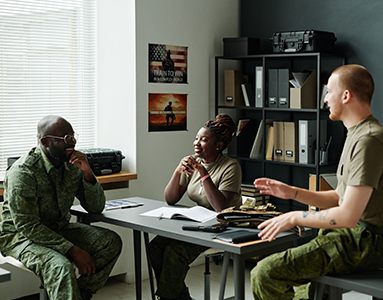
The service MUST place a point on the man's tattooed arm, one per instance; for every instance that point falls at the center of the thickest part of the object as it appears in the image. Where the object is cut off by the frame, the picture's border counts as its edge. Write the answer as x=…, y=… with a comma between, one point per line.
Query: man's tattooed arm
x=321, y=215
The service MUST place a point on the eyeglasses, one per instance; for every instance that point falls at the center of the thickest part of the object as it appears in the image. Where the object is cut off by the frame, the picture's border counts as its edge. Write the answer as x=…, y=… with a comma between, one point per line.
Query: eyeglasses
x=68, y=139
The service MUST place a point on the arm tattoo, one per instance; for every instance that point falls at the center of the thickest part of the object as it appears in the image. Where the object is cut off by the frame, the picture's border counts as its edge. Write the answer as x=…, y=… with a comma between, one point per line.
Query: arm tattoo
x=321, y=214
x=306, y=213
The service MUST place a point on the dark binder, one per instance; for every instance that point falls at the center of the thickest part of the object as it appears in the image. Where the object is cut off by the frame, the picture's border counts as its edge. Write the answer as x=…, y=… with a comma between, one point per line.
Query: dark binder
x=237, y=236
x=273, y=88
x=283, y=88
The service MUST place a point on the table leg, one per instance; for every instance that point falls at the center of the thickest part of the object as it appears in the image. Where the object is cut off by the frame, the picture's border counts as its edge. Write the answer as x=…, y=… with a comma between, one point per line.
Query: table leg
x=146, y=239
x=239, y=277
x=137, y=262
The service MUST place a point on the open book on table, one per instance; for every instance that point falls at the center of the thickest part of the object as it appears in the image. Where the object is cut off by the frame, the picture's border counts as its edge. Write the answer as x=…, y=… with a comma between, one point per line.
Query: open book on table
x=195, y=213
x=120, y=203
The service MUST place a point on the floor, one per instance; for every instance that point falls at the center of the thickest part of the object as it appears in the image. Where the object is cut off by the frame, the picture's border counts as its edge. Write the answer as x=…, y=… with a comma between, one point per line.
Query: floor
x=117, y=290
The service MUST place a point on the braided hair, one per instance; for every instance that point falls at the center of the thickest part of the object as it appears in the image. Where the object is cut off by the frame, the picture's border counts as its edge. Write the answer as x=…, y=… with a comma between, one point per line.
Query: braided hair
x=223, y=129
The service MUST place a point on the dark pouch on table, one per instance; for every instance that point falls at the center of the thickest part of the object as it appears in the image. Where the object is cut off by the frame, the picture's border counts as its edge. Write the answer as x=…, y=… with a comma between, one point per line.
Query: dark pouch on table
x=237, y=236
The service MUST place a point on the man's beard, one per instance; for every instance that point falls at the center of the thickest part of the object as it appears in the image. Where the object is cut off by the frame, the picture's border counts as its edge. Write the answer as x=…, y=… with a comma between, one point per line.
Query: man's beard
x=58, y=154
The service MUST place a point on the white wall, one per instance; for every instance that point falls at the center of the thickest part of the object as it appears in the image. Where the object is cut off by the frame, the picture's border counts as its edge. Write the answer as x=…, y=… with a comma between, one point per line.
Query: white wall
x=116, y=77
x=124, y=30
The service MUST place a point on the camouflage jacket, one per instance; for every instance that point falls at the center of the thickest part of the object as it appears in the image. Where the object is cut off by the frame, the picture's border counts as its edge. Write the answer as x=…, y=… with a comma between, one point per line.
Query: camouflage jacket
x=37, y=200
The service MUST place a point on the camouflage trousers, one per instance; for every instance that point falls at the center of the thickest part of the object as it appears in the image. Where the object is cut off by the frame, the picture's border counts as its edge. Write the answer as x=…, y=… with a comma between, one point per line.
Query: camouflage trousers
x=338, y=251
x=56, y=271
x=170, y=260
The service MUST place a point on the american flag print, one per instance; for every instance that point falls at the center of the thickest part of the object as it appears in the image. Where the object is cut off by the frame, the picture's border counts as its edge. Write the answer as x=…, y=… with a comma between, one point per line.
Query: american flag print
x=167, y=63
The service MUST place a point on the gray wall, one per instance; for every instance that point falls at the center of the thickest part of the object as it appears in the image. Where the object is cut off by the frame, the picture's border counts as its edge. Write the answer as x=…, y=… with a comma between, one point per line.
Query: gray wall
x=200, y=25
x=124, y=30
x=357, y=25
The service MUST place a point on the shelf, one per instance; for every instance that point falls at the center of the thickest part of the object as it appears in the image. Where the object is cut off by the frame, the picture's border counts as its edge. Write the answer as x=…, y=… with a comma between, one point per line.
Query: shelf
x=306, y=110
x=293, y=173
x=117, y=177
x=282, y=55
x=105, y=179
x=295, y=164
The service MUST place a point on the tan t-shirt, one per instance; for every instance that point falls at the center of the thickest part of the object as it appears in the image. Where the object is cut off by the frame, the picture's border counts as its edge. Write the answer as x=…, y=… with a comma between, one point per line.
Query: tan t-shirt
x=226, y=175
x=361, y=163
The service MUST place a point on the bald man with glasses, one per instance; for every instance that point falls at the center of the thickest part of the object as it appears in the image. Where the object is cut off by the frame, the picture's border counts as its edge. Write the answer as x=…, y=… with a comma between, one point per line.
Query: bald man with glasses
x=39, y=190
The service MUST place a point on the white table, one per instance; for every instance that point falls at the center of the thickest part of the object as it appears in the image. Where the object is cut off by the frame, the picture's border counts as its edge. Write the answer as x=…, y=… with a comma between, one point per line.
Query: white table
x=130, y=218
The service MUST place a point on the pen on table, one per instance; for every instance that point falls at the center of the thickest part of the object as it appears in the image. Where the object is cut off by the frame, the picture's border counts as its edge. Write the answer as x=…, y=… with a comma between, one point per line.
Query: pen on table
x=160, y=216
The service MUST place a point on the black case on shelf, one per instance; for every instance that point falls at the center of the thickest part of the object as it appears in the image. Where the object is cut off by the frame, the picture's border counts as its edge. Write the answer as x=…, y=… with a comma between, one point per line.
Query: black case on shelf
x=303, y=41
x=240, y=46
x=103, y=161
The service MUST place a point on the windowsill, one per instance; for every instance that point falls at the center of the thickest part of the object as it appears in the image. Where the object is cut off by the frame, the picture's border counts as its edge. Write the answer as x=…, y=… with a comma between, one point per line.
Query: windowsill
x=120, y=177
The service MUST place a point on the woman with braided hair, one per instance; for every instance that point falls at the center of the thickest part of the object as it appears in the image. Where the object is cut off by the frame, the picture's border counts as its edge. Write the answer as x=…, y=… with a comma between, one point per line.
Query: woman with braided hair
x=210, y=179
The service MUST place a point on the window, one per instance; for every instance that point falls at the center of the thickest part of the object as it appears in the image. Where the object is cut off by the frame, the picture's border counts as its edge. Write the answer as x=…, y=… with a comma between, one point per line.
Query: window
x=47, y=66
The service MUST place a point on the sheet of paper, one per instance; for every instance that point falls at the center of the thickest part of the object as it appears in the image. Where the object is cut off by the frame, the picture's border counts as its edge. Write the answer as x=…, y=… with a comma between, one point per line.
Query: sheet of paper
x=120, y=203
x=196, y=213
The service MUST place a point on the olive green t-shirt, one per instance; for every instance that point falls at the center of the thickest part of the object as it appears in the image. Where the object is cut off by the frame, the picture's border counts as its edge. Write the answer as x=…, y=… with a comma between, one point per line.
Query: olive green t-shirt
x=226, y=175
x=361, y=163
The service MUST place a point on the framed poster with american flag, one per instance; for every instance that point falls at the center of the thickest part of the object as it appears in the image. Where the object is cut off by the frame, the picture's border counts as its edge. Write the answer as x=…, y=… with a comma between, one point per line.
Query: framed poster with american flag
x=167, y=63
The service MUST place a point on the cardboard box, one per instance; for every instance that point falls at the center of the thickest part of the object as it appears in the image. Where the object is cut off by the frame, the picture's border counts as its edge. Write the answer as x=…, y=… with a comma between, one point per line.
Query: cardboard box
x=305, y=96
x=327, y=182
x=291, y=141
x=240, y=46
x=233, y=90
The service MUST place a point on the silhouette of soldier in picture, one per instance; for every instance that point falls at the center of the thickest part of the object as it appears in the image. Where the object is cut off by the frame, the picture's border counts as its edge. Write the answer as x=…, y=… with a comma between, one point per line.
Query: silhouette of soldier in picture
x=170, y=114
x=168, y=66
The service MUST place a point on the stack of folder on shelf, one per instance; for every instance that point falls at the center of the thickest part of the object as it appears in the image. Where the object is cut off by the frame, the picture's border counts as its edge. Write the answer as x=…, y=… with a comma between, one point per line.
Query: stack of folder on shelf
x=240, y=92
x=257, y=148
x=279, y=88
x=285, y=141
x=250, y=191
x=294, y=141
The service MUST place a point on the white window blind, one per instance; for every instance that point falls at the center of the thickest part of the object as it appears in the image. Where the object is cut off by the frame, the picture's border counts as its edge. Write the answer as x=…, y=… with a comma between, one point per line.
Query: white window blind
x=47, y=66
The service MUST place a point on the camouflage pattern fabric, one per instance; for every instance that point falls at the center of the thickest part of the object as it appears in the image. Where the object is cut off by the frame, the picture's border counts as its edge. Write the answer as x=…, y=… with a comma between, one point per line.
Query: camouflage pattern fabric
x=35, y=224
x=170, y=260
x=37, y=200
x=56, y=271
x=338, y=251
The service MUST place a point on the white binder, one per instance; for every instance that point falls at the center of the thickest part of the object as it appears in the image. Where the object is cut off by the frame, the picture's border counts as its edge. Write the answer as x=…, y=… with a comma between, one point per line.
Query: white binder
x=307, y=140
x=258, y=87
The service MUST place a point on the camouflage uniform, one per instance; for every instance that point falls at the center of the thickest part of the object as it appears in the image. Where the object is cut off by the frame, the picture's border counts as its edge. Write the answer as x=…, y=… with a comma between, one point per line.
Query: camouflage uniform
x=36, y=229
x=337, y=251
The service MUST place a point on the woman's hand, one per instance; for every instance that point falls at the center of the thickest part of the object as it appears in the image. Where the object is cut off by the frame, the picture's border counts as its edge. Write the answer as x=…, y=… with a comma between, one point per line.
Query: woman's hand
x=275, y=188
x=187, y=165
x=274, y=226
